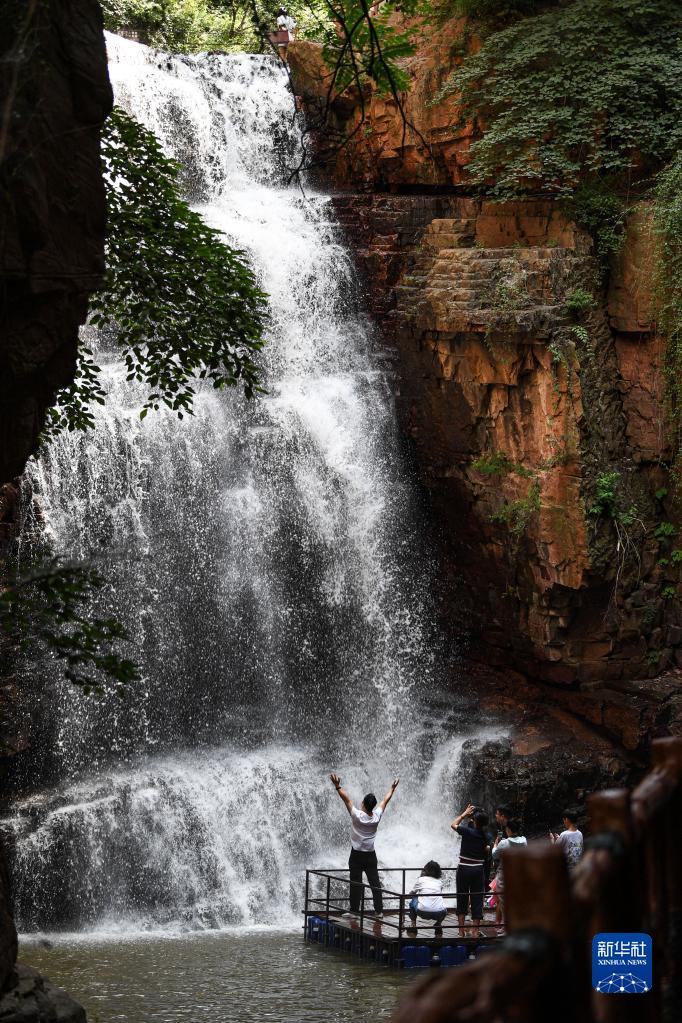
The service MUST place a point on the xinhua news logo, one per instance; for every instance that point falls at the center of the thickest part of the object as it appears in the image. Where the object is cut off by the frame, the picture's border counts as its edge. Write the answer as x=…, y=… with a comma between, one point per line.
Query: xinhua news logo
x=621, y=964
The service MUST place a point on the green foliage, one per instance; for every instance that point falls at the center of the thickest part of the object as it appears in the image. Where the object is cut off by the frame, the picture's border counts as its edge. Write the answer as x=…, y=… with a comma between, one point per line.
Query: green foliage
x=586, y=89
x=605, y=489
x=188, y=26
x=50, y=606
x=676, y=556
x=598, y=208
x=668, y=290
x=581, y=335
x=668, y=592
x=516, y=515
x=609, y=502
x=185, y=306
x=492, y=14
x=664, y=531
x=499, y=464
x=496, y=464
x=579, y=302
x=359, y=47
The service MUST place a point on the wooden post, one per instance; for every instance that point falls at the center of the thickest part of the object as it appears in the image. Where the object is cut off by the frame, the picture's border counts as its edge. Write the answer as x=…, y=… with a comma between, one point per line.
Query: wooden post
x=537, y=899
x=667, y=757
x=305, y=913
x=536, y=889
x=607, y=887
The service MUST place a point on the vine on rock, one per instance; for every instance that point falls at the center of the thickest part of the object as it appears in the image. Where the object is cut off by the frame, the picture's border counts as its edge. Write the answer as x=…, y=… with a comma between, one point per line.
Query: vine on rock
x=561, y=107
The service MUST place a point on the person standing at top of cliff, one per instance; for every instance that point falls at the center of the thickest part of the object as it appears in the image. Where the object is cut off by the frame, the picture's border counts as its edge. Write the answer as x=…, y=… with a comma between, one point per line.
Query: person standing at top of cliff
x=363, y=859
x=286, y=32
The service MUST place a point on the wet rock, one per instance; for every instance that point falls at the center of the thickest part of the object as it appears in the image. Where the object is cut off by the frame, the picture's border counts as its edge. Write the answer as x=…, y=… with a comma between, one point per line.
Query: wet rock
x=541, y=780
x=553, y=757
x=8, y=933
x=32, y=999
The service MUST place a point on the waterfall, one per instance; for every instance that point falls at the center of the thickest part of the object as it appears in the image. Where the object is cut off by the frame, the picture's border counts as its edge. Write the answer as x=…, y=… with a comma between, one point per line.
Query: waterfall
x=267, y=558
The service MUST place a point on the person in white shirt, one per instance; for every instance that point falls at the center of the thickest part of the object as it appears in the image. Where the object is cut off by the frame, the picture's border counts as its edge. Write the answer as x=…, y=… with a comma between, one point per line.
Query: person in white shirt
x=428, y=902
x=363, y=829
x=513, y=838
x=570, y=839
x=286, y=30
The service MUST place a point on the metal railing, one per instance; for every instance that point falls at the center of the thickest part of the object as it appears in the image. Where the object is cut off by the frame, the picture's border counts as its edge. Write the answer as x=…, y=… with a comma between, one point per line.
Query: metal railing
x=327, y=904
x=629, y=880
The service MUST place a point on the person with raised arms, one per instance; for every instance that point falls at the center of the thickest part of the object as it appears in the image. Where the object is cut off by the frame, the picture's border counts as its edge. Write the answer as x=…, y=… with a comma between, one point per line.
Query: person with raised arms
x=363, y=858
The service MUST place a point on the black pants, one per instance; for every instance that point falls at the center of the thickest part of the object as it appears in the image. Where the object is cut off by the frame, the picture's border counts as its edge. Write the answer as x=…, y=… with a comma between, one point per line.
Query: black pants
x=470, y=880
x=359, y=863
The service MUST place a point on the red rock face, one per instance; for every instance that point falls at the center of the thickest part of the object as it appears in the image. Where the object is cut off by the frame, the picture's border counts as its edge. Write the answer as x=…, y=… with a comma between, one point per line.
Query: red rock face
x=517, y=406
x=430, y=149
x=512, y=419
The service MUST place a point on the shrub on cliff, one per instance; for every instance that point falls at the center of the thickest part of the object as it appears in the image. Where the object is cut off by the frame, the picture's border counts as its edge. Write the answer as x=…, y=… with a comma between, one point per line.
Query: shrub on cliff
x=589, y=89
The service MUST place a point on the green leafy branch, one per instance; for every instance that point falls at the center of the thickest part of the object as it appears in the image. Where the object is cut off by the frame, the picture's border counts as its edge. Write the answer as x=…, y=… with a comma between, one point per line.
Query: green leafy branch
x=184, y=306
x=50, y=606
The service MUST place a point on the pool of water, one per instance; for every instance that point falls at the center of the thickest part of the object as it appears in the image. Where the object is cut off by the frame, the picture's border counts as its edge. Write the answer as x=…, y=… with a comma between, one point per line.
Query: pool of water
x=238, y=977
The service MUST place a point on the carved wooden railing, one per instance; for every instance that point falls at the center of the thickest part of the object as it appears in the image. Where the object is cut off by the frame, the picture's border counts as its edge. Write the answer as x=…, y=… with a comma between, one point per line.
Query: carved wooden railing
x=629, y=879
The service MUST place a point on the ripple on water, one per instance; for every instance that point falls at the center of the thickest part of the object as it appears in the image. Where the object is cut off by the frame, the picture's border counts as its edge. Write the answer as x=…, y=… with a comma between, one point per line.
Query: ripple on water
x=251, y=977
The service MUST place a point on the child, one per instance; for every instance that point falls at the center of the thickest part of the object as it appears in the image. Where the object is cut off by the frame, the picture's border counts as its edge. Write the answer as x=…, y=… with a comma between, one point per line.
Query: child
x=428, y=902
x=514, y=838
x=570, y=840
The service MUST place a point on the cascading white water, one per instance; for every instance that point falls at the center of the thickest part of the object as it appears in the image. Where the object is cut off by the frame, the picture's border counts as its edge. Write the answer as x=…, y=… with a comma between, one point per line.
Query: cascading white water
x=266, y=558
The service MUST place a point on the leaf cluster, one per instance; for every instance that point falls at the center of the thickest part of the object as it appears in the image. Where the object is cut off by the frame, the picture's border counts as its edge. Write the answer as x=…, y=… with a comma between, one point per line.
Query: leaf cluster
x=516, y=515
x=492, y=14
x=50, y=605
x=605, y=494
x=586, y=89
x=191, y=26
x=360, y=47
x=185, y=26
x=184, y=305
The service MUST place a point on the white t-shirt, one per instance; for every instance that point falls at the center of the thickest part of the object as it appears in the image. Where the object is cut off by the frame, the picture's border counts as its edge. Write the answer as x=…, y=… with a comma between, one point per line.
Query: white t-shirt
x=363, y=828
x=572, y=844
x=285, y=23
x=429, y=891
x=506, y=843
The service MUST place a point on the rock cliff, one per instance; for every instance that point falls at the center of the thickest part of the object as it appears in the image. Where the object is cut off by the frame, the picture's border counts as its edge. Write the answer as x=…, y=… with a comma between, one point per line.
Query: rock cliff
x=531, y=384
x=56, y=95
x=52, y=211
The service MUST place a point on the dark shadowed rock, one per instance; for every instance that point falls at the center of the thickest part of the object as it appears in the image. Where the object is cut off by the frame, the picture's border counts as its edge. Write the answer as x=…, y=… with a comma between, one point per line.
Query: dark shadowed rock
x=32, y=999
x=8, y=933
x=53, y=73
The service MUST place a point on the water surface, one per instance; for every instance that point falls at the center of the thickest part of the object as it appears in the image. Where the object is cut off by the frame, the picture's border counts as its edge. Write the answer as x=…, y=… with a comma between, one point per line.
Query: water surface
x=221, y=977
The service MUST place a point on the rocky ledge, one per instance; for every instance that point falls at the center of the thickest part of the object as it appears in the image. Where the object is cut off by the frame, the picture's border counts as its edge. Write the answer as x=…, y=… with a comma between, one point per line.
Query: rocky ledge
x=552, y=757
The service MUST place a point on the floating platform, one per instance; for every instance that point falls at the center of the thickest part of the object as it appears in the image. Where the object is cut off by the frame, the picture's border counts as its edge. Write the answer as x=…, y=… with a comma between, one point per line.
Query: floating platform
x=386, y=941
